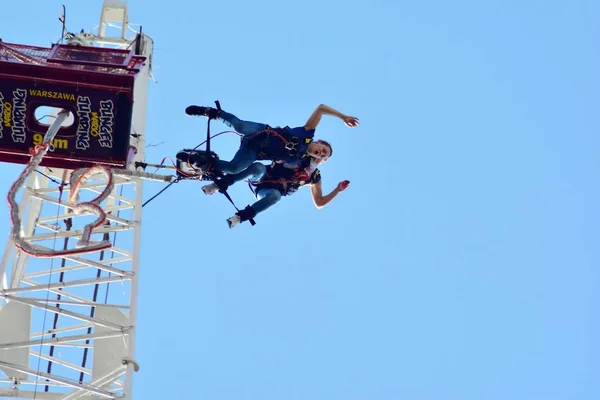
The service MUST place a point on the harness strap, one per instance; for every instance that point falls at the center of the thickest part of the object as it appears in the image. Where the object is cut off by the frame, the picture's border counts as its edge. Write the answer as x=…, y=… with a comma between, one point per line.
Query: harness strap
x=217, y=179
x=251, y=220
x=290, y=142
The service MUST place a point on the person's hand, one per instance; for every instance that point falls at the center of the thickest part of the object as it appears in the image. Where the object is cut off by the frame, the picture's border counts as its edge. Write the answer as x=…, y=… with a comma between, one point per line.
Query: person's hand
x=351, y=122
x=343, y=185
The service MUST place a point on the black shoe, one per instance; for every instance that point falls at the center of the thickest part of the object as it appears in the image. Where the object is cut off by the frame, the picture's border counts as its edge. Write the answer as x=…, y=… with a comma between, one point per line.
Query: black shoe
x=195, y=110
x=209, y=112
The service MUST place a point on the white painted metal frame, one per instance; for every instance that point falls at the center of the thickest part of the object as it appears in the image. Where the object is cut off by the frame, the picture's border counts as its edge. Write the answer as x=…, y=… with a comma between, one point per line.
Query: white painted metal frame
x=68, y=324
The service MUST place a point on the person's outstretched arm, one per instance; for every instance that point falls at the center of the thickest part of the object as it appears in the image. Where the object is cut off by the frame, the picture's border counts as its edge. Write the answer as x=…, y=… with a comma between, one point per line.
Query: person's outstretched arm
x=321, y=110
x=317, y=194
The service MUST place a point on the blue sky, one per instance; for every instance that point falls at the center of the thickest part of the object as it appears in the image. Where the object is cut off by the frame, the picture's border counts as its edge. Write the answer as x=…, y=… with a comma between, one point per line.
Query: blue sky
x=462, y=261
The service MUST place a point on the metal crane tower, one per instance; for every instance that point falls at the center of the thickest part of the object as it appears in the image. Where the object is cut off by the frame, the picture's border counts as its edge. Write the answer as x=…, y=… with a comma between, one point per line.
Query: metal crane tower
x=69, y=272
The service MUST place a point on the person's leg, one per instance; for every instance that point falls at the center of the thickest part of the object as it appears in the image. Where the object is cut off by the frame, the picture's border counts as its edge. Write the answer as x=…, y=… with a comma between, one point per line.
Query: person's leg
x=254, y=172
x=244, y=127
x=268, y=198
x=242, y=159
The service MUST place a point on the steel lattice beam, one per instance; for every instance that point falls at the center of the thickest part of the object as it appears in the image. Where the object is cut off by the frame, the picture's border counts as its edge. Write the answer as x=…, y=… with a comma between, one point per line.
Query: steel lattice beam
x=69, y=322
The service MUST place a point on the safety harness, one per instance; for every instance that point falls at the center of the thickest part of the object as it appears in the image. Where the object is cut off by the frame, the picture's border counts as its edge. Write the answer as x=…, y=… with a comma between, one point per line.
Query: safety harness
x=291, y=142
x=286, y=180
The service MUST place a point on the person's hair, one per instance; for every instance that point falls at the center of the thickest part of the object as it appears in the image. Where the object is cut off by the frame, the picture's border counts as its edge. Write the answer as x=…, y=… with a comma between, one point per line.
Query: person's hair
x=326, y=143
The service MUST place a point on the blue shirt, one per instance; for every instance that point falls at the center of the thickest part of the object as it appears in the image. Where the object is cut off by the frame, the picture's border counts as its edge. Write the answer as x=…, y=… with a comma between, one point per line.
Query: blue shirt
x=272, y=147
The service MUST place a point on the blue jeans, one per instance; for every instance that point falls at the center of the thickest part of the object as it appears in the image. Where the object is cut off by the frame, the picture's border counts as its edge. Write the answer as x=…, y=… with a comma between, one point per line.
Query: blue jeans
x=267, y=198
x=243, y=165
x=245, y=156
x=255, y=172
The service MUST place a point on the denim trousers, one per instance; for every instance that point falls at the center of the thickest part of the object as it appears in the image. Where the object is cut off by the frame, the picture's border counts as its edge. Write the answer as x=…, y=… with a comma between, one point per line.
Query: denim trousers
x=243, y=165
x=245, y=156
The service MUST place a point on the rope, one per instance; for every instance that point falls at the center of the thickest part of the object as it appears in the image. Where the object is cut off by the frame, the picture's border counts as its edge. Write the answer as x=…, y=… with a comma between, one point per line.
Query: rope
x=68, y=225
x=47, y=297
x=156, y=195
x=51, y=178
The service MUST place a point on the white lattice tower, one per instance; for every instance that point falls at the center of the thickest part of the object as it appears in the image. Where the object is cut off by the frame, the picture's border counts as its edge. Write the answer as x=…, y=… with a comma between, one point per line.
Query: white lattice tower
x=68, y=321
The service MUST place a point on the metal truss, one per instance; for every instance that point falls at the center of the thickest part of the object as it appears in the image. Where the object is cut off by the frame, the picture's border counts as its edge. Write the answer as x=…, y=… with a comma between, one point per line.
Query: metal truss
x=74, y=307
x=68, y=298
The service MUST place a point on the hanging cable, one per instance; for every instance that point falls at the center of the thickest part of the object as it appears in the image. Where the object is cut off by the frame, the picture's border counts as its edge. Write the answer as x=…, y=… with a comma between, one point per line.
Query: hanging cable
x=60, y=190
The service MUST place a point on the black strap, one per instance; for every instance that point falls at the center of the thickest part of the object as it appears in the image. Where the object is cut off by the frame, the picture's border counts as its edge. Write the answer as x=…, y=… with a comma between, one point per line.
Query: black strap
x=252, y=222
x=208, y=127
x=215, y=178
x=208, y=136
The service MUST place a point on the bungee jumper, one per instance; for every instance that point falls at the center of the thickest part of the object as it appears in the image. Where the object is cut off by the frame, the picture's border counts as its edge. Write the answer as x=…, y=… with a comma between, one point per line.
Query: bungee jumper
x=294, y=154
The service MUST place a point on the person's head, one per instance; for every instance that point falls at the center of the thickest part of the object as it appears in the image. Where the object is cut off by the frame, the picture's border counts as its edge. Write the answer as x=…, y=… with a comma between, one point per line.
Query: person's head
x=320, y=150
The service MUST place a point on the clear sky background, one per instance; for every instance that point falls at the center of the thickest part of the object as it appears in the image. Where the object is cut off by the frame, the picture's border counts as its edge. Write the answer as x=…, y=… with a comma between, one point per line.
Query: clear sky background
x=462, y=262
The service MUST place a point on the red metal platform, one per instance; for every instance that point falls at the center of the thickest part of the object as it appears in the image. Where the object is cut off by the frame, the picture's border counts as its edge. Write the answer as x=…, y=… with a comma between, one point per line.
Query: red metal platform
x=95, y=84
